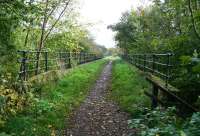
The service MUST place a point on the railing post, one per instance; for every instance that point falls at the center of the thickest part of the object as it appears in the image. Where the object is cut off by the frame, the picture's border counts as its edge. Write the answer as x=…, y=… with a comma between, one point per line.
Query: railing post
x=144, y=67
x=153, y=64
x=139, y=61
x=93, y=57
x=69, y=60
x=136, y=60
x=65, y=58
x=24, y=59
x=86, y=57
x=83, y=57
x=37, y=62
x=60, y=56
x=131, y=59
x=80, y=56
x=168, y=68
x=46, y=61
x=76, y=56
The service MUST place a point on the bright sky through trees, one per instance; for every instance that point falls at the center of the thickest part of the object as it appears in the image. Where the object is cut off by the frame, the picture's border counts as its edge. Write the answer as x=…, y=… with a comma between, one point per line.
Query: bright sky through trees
x=106, y=12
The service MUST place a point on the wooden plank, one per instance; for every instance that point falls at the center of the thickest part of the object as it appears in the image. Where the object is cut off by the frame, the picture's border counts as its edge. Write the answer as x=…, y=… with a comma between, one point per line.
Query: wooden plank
x=160, y=83
x=170, y=90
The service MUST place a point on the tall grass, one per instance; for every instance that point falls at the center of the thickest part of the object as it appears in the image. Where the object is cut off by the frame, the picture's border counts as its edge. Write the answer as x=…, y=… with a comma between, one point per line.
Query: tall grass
x=128, y=87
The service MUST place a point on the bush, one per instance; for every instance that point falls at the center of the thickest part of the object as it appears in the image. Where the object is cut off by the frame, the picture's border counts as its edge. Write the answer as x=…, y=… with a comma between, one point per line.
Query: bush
x=156, y=122
x=164, y=122
x=192, y=128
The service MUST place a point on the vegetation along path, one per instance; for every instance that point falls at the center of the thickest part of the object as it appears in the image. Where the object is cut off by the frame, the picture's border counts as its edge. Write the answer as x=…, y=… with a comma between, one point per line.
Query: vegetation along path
x=98, y=116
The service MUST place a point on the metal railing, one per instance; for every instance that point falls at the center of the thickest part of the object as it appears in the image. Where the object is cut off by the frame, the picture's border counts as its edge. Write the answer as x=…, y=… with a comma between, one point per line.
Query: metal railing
x=156, y=64
x=37, y=62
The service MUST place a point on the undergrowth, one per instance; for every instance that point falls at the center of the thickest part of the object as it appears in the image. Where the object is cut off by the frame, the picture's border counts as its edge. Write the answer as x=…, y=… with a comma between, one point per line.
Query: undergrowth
x=50, y=106
x=128, y=87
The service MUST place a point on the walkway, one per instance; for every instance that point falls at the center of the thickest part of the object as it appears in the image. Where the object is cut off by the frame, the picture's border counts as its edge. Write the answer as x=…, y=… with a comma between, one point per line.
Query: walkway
x=98, y=116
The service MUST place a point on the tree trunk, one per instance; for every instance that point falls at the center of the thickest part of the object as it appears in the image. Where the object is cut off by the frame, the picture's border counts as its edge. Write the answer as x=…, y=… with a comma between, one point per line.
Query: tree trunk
x=193, y=20
x=41, y=42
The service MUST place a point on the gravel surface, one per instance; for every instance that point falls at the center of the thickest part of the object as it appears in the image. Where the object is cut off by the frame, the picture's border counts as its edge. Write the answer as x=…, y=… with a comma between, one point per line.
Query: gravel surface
x=98, y=116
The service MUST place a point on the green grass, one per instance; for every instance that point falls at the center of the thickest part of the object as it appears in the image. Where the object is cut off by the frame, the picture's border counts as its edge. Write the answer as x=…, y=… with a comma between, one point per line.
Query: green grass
x=49, y=112
x=128, y=87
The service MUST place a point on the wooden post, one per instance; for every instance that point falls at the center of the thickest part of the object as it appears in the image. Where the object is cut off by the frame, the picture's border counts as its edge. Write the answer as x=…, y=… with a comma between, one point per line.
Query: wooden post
x=46, y=61
x=155, y=96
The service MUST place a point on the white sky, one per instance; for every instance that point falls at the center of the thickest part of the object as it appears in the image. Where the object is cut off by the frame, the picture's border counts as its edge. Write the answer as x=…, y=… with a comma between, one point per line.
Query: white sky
x=103, y=13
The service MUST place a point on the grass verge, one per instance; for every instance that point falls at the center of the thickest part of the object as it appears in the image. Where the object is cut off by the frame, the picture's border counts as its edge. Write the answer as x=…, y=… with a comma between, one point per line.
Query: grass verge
x=128, y=87
x=47, y=112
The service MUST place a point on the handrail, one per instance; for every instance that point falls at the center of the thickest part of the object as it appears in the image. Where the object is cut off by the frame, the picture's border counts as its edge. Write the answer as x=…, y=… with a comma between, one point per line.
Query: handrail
x=157, y=64
x=31, y=64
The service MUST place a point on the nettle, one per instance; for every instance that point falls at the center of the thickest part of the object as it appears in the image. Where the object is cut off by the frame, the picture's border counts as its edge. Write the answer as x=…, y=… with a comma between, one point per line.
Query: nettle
x=192, y=127
x=156, y=122
x=164, y=122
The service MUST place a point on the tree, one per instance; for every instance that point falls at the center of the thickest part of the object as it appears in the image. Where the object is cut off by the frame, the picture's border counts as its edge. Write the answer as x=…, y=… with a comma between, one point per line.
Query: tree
x=10, y=16
x=166, y=26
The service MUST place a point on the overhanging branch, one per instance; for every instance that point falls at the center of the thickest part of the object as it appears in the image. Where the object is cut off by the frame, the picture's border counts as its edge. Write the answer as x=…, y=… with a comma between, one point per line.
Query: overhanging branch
x=59, y=17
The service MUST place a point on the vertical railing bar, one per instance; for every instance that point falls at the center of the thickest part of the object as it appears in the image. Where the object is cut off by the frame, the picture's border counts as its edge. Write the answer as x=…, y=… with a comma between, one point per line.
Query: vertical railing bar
x=144, y=62
x=153, y=64
x=24, y=65
x=37, y=62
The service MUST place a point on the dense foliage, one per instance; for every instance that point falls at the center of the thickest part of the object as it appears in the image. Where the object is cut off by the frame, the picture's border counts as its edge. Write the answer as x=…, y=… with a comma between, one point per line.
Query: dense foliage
x=38, y=25
x=164, y=122
x=35, y=25
x=166, y=26
x=127, y=89
x=50, y=102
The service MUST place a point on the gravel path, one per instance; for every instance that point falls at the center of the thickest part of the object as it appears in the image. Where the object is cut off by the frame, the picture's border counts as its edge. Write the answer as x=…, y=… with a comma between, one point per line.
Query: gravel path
x=98, y=116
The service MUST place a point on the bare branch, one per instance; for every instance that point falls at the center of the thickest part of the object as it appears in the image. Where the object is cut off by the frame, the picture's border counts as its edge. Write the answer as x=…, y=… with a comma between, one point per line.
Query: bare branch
x=55, y=23
x=43, y=27
x=52, y=11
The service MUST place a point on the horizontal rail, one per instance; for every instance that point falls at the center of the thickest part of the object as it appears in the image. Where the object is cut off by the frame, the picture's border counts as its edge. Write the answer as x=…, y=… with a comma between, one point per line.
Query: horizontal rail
x=157, y=64
x=36, y=62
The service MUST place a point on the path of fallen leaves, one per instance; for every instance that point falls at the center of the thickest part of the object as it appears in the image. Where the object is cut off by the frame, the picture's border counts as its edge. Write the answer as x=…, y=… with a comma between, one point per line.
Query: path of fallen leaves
x=98, y=116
